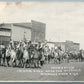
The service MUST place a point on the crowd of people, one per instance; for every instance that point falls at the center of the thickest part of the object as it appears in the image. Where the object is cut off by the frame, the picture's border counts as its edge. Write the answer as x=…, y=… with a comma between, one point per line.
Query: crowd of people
x=28, y=54
x=22, y=54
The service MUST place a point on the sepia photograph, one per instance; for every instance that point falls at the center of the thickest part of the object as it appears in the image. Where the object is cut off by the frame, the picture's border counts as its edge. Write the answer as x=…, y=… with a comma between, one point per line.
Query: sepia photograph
x=41, y=41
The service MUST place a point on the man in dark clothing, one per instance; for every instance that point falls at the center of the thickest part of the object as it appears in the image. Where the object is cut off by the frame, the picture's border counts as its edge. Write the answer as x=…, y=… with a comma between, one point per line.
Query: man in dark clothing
x=3, y=55
x=41, y=56
x=30, y=49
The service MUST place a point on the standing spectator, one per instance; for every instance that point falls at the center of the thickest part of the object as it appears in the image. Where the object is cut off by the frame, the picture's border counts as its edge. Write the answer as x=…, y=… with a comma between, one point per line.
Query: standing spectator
x=8, y=55
x=3, y=55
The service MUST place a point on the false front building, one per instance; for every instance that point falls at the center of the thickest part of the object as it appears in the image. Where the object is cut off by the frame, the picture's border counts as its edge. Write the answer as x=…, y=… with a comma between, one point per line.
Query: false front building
x=34, y=31
x=68, y=46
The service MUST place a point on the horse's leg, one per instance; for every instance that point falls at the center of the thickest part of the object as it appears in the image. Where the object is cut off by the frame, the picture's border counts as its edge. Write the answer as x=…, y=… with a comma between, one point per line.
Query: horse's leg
x=29, y=63
x=19, y=62
x=7, y=62
x=11, y=62
x=24, y=63
x=38, y=63
x=59, y=60
x=46, y=59
x=67, y=60
x=41, y=63
x=49, y=59
x=15, y=63
x=2, y=59
x=34, y=63
x=54, y=60
x=79, y=58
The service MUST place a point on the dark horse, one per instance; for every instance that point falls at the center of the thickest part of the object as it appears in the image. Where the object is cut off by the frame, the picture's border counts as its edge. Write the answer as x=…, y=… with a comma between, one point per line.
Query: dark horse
x=19, y=54
x=35, y=55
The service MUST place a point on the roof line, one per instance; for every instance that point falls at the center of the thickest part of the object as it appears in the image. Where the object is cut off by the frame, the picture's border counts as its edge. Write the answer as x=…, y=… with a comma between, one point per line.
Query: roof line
x=22, y=26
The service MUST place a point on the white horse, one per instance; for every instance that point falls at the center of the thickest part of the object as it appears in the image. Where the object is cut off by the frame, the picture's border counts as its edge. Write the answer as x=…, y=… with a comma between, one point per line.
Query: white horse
x=56, y=56
x=66, y=57
x=13, y=56
x=60, y=53
x=25, y=57
x=8, y=56
x=46, y=53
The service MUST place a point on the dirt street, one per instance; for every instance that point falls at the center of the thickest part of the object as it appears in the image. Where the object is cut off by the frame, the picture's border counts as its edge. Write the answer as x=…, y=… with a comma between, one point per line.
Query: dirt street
x=49, y=72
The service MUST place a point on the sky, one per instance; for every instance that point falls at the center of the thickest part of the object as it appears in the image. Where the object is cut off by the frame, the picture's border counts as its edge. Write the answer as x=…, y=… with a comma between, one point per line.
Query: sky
x=64, y=20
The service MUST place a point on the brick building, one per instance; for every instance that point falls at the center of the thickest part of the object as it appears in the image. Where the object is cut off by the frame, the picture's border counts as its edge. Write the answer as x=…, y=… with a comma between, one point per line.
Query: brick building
x=34, y=31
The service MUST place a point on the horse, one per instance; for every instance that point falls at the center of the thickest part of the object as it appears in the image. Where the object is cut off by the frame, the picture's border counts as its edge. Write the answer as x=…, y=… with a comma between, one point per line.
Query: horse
x=35, y=58
x=25, y=57
x=60, y=55
x=66, y=57
x=81, y=55
x=56, y=57
x=41, y=56
x=19, y=54
x=46, y=53
x=13, y=57
x=8, y=54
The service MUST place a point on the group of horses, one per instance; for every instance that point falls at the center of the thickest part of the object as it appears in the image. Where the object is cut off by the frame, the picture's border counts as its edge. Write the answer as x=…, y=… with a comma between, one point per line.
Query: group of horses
x=22, y=56
x=35, y=55
x=61, y=56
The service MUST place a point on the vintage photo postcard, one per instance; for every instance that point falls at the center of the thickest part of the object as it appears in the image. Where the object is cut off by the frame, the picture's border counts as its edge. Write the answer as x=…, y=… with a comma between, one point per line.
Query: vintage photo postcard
x=41, y=41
